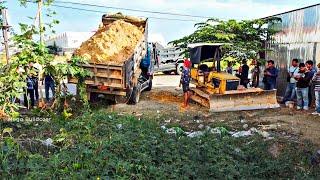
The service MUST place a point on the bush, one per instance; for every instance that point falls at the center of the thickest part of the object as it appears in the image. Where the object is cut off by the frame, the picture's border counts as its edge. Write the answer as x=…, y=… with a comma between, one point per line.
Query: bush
x=104, y=145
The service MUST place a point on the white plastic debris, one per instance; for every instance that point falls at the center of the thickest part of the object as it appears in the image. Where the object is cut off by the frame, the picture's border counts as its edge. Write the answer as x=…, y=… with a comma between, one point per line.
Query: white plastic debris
x=245, y=126
x=171, y=131
x=243, y=121
x=242, y=134
x=251, y=132
x=219, y=130
x=237, y=150
x=255, y=130
x=119, y=126
x=201, y=126
x=196, y=134
x=48, y=142
x=264, y=134
x=175, y=130
x=215, y=131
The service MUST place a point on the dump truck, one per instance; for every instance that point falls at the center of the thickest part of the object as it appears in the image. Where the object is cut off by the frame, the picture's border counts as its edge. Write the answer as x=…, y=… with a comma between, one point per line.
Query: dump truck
x=220, y=91
x=167, y=60
x=119, y=76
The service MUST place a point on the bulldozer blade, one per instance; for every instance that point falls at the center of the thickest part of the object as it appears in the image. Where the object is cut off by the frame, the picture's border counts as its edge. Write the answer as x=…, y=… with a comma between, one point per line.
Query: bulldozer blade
x=237, y=101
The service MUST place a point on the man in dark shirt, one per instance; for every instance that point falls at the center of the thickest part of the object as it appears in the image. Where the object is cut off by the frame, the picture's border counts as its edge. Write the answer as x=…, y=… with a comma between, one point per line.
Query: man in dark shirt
x=313, y=71
x=303, y=81
x=29, y=90
x=270, y=76
x=255, y=73
x=34, y=76
x=244, y=72
x=49, y=84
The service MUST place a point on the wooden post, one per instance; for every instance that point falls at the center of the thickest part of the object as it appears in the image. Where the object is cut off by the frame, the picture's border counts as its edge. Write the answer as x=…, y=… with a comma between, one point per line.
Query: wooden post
x=40, y=21
x=5, y=33
x=42, y=104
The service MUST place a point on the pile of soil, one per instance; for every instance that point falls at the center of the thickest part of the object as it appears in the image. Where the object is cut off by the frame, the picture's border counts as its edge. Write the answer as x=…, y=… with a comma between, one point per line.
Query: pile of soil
x=111, y=44
x=166, y=97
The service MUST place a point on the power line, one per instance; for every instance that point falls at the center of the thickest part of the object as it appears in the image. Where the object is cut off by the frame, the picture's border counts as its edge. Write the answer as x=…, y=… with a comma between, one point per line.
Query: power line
x=97, y=11
x=129, y=9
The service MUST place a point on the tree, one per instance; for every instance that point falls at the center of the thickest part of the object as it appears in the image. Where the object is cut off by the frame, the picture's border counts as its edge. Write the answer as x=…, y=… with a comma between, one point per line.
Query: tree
x=244, y=39
x=12, y=80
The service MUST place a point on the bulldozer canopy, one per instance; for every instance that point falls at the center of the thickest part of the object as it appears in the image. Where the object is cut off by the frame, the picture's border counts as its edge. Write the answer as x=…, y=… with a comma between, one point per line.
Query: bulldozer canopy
x=201, y=52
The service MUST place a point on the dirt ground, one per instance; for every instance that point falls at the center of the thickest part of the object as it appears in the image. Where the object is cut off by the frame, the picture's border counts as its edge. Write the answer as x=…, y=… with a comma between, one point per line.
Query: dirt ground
x=163, y=104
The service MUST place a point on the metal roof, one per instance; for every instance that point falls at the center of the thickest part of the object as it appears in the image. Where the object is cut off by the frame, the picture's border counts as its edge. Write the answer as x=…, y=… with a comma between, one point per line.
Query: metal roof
x=291, y=11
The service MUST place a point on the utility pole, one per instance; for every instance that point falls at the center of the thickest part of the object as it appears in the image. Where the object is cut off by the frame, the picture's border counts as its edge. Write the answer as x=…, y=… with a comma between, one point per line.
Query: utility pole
x=40, y=21
x=5, y=28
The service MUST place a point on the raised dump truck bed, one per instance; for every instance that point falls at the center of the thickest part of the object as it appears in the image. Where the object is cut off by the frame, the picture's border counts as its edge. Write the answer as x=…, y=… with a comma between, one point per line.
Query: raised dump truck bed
x=122, y=82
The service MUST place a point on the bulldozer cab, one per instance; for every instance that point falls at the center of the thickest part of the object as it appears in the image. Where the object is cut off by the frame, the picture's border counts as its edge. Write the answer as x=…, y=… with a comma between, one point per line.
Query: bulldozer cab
x=206, y=55
x=206, y=68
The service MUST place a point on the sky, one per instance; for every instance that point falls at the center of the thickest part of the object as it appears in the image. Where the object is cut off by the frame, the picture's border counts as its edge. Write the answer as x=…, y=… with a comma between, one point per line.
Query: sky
x=160, y=30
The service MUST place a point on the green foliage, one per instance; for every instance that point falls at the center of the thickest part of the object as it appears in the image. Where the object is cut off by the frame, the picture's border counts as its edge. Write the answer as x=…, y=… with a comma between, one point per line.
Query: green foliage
x=96, y=146
x=2, y=6
x=45, y=2
x=11, y=86
x=62, y=71
x=13, y=82
x=244, y=38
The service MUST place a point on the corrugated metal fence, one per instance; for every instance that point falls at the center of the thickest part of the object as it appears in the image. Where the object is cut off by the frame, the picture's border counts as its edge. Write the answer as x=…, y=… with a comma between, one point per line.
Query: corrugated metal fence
x=299, y=37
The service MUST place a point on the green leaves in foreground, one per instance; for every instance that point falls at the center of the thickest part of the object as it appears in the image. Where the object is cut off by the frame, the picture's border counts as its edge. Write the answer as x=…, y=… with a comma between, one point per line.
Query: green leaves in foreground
x=111, y=146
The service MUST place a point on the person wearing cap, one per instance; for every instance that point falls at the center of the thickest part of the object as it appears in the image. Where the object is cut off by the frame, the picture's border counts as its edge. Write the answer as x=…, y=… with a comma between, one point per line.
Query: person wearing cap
x=303, y=80
x=185, y=81
x=270, y=76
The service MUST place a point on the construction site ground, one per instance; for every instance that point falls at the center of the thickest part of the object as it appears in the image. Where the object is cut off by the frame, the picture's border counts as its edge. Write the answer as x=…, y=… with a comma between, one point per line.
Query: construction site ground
x=164, y=102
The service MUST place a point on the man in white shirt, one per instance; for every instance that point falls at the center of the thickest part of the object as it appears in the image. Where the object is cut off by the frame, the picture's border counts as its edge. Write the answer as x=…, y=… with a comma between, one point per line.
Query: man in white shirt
x=291, y=86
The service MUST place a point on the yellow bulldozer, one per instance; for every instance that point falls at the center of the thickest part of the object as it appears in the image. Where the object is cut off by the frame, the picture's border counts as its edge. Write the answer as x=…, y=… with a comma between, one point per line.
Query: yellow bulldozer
x=220, y=91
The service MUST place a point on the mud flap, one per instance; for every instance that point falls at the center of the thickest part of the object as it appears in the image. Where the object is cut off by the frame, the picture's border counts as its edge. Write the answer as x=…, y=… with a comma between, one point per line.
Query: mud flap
x=237, y=101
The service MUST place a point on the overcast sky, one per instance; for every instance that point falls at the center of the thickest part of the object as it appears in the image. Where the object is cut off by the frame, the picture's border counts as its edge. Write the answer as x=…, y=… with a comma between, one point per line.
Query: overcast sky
x=159, y=29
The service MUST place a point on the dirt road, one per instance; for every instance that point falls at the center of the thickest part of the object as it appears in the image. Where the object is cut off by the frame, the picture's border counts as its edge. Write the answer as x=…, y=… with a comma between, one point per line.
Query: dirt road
x=164, y=104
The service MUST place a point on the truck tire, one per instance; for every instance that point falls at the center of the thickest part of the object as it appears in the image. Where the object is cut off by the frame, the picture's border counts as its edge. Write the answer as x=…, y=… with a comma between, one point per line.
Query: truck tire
x=135, y=96
x=179, y=68
x=149, y=85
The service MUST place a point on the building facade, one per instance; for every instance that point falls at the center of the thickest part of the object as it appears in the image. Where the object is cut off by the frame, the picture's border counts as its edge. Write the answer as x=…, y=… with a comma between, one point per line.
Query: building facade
x=298, y=37
x=68, y=41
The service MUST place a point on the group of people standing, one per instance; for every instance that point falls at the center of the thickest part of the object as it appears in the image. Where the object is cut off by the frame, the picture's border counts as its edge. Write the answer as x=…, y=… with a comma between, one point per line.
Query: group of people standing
x=303, y=81
x=269, y=79
x=32, y=87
